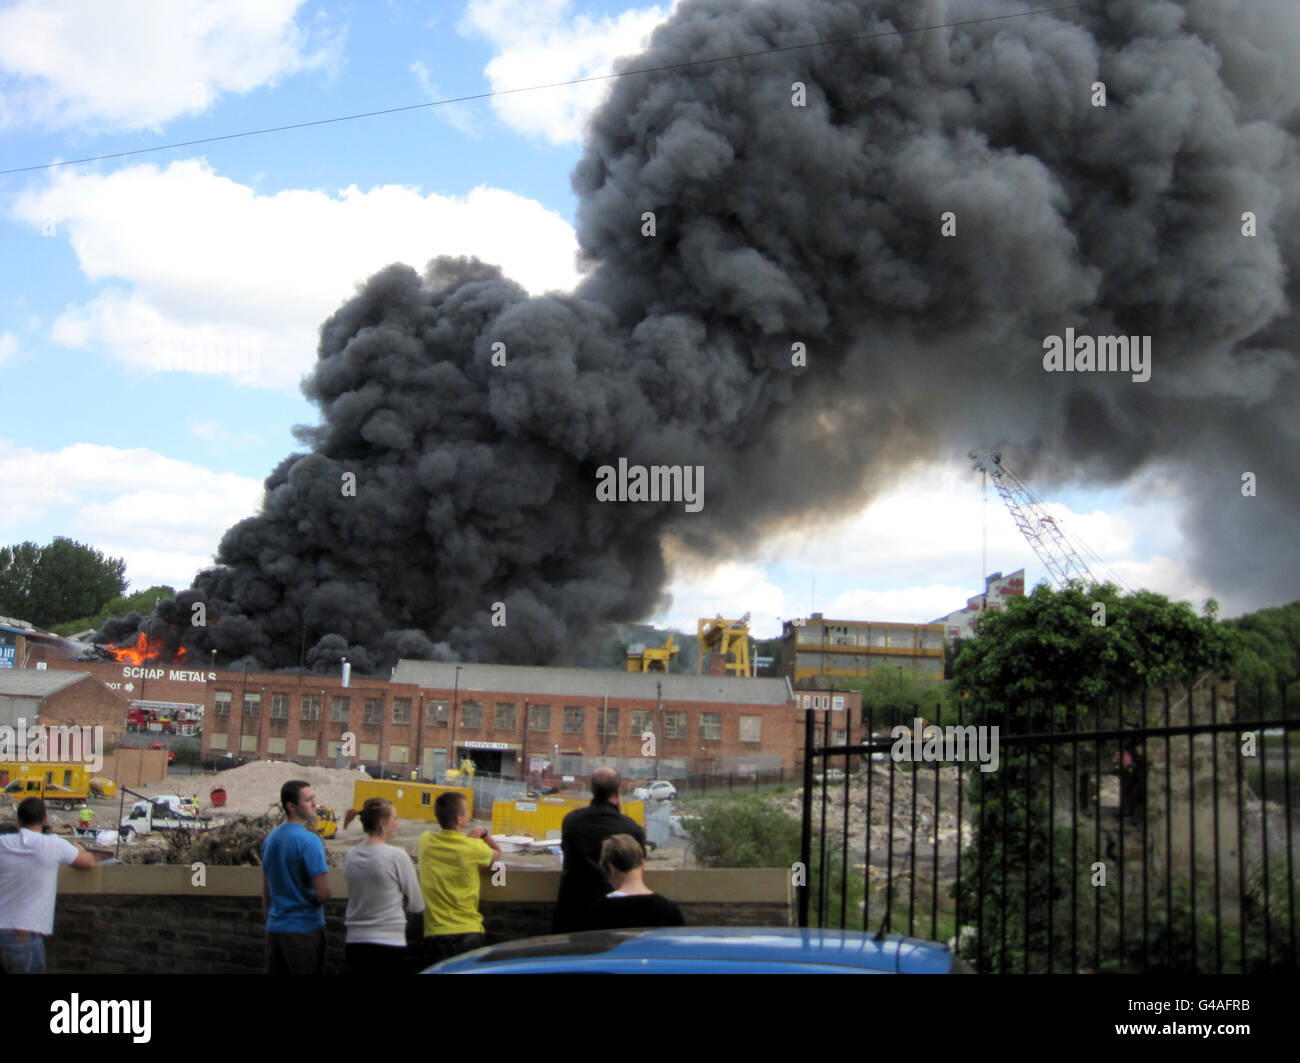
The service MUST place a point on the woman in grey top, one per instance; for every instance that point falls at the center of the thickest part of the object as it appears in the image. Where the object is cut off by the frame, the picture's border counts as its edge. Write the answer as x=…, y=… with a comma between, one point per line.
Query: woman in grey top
x=382, y=888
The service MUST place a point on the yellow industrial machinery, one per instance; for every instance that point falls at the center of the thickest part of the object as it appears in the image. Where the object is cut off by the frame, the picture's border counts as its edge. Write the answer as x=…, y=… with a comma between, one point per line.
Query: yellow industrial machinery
x=327, y=824
x=730, y=638
x=652, y=659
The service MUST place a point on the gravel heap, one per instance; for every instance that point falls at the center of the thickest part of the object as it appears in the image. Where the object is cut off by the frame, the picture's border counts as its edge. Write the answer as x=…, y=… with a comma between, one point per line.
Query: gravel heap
x=252, y=789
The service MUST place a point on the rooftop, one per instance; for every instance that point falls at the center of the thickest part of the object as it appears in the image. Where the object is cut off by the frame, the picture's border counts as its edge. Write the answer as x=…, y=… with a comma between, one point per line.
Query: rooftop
x=36, y=683
x=591, y=683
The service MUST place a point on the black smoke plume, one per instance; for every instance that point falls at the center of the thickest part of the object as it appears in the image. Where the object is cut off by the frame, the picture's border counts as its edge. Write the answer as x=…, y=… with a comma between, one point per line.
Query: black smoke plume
x=821, y=225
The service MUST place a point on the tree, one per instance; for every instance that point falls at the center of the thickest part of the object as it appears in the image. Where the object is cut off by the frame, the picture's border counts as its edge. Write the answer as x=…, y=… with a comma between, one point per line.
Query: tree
x=141, y=602
x=1068, y=648
x=1268, y=657
x=1048, y=658
x=63, y=580
x=893, y=695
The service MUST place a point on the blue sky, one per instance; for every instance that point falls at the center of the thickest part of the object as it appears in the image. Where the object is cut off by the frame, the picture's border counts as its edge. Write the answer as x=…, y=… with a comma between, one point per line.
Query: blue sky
x=157, y=311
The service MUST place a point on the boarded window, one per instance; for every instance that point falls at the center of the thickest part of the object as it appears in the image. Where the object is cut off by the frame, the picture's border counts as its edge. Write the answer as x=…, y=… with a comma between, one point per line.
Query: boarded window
x=306, y=747
x=276, y=746
x=751, y=728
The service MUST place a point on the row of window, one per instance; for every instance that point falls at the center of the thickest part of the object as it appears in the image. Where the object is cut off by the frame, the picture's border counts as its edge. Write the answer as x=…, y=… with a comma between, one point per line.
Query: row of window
x=504, y=716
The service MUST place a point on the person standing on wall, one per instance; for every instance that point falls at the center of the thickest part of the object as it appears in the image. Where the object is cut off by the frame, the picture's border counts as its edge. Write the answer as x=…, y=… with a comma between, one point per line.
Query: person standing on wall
x=382, y=888
x=582, y=833
x=295, y=886
x=29, y=876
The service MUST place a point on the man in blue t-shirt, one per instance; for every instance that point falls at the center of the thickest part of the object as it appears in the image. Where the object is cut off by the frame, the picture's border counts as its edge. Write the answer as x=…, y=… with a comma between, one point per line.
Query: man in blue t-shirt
x=295, y=886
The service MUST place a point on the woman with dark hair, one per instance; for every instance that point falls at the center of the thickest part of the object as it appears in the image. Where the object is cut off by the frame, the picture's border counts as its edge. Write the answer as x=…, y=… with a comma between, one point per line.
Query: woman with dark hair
x=382, y=888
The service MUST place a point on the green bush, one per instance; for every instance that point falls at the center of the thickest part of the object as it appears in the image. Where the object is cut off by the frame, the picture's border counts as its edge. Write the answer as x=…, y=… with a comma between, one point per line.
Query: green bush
x=744, y=831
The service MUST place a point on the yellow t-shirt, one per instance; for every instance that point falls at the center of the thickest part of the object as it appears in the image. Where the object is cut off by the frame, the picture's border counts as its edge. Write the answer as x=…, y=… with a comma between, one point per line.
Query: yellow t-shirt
x=449, y=863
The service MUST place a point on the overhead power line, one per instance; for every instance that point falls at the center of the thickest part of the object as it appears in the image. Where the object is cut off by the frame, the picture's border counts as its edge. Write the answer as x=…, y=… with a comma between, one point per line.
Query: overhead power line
x=538, y=88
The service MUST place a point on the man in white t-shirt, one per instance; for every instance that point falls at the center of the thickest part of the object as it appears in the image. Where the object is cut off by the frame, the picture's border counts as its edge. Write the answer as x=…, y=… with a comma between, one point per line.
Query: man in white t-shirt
x=29, y=876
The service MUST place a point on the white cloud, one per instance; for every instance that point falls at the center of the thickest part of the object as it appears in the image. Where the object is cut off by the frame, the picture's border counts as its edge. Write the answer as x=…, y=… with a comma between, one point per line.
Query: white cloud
x=135, y=64
x=163, y=515
x=914, y=554
x=541, y=42
x=207, y=276
x=731, y=590
x=456, y=115
x=8, y=346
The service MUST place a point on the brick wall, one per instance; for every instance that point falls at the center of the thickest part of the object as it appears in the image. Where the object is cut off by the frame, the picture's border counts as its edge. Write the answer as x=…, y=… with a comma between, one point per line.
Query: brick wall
x=86, y=704
x=780, y=728
x=143, y=920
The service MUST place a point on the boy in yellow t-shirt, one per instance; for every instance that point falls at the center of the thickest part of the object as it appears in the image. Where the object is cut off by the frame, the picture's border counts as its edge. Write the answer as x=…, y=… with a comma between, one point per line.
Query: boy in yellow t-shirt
x=449, y=867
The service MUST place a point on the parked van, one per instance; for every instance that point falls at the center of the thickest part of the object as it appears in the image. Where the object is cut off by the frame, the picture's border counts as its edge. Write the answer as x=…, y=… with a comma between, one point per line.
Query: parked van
x=67, y=785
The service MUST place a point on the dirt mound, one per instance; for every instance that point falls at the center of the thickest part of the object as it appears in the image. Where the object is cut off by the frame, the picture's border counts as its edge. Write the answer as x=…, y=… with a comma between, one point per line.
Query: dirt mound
x=255, y=788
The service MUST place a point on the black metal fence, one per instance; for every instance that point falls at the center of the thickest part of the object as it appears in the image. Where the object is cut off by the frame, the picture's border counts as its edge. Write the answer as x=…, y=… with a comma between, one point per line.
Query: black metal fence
x=1156, y=833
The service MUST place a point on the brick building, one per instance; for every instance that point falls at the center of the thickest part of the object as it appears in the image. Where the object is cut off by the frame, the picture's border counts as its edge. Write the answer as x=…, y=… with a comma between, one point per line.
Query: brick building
x=60, y=698
x=509, y=720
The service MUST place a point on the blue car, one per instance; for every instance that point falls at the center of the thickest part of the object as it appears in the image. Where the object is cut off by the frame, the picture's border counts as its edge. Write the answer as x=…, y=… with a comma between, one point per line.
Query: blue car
x=708, y=950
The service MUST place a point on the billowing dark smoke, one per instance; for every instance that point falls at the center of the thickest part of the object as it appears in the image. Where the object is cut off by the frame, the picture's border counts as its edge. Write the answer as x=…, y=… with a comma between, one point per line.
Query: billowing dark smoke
x=821, y=225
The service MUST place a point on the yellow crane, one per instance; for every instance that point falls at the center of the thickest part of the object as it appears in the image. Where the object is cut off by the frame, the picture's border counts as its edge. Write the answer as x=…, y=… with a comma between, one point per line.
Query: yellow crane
x=730, y=638
x=652, y=659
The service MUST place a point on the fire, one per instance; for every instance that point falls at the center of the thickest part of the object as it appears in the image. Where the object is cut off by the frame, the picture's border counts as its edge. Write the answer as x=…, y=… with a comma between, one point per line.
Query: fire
x=144, y=649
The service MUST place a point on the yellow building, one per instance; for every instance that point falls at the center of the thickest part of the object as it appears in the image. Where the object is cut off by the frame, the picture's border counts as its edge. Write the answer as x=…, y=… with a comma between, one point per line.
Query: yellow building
x=855, y=648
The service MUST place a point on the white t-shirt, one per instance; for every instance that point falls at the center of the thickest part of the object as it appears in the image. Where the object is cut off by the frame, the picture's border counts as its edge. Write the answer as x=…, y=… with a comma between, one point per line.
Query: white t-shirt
x=382, y=887
x=29, y=876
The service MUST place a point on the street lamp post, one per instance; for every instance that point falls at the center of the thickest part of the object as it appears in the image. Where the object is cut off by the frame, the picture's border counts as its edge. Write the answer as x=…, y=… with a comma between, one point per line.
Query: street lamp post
x=455, y=711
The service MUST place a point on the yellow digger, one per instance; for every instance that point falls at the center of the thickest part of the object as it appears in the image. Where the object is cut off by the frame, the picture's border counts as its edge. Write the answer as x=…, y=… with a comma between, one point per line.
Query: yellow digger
x=327, y=824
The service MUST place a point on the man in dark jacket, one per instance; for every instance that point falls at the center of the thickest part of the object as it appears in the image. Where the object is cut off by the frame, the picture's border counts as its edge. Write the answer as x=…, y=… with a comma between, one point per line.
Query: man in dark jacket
x=582, y=833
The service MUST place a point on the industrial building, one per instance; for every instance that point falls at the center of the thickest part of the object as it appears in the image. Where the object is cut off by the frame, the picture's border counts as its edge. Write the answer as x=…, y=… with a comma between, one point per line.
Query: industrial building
x=60, y=698
x=997, y=589
x=509, y=719
x=816, y=646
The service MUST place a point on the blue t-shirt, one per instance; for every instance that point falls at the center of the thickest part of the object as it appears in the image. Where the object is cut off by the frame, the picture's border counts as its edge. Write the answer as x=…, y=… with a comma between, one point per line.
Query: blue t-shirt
x=291, y=856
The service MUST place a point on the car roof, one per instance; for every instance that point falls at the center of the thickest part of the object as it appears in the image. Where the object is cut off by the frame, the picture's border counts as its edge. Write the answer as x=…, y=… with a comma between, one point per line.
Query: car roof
x=712, y=949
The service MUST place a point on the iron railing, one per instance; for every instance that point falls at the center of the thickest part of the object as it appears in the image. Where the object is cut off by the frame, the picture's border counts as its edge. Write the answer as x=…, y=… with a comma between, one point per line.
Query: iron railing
x=1127, y=836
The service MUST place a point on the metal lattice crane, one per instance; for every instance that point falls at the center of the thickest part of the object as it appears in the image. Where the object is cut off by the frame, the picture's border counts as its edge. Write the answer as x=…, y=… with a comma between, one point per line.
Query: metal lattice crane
x=1037, y=525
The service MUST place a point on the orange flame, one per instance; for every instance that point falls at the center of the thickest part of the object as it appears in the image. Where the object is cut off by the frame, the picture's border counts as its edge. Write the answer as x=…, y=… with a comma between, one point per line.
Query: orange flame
x=144, y=649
